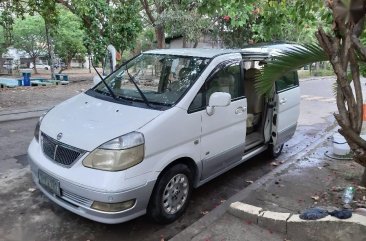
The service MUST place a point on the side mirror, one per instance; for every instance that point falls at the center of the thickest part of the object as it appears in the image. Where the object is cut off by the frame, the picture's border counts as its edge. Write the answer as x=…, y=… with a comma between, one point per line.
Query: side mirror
x=96, y=80
x=218, y=99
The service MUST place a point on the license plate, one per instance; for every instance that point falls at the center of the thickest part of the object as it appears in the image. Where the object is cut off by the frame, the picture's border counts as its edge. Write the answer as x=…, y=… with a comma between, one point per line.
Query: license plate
x=51, y=184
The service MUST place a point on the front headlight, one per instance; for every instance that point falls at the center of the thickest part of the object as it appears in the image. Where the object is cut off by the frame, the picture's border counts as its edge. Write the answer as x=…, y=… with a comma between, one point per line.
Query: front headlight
x=37, y=129
x=118, y=154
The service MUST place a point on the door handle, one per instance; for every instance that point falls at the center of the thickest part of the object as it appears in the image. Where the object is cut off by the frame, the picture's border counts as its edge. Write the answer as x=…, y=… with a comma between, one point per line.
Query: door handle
x=283, y=101
x=240, y=110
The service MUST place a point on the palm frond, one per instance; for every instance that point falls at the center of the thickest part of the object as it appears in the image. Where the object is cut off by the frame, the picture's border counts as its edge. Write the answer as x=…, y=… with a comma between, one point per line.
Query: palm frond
x=291, y=59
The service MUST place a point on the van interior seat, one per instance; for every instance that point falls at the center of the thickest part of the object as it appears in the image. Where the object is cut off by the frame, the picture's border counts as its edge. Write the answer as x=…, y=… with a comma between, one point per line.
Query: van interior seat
x=255, y=101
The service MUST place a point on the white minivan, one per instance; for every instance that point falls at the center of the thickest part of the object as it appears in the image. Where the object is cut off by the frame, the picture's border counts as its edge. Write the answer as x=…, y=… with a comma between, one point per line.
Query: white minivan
x=163, y=123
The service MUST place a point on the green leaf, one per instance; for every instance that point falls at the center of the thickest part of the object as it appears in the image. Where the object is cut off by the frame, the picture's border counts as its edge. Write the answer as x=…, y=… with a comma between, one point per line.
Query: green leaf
x=291, y=59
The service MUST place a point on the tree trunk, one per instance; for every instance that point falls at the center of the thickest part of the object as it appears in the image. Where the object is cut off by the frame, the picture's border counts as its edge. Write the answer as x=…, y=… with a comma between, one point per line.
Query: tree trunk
x=363, y=179
x=342, y=49
x=89, y=60
x=195, y=44
x=50, y=51
x=184, y=42
x=160, y=36
x=34, y=65
x=68, y=65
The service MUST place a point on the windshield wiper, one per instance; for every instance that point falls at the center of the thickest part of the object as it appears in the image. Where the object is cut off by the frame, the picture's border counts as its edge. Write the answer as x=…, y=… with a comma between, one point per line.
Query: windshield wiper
x=105, y=83
x=132, y=79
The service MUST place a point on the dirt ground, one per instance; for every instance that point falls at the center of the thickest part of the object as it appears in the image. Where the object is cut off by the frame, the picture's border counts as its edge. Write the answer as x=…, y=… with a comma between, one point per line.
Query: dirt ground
x=45, y=96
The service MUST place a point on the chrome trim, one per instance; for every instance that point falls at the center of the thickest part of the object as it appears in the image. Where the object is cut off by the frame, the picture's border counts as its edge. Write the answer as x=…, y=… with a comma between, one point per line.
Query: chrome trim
x=75, y=199
x=58, y=144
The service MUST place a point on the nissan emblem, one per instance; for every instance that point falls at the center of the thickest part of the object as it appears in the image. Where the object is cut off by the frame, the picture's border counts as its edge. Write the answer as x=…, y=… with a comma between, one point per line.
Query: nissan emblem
x=59, y=136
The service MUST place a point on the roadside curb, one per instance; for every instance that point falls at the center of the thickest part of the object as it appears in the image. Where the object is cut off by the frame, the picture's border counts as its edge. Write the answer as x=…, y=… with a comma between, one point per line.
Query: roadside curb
x=326, y=229
x=201, y=224
x=22, y=114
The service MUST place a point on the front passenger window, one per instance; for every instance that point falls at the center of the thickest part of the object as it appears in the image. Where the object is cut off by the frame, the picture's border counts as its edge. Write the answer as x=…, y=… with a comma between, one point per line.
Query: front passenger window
x=225, y=80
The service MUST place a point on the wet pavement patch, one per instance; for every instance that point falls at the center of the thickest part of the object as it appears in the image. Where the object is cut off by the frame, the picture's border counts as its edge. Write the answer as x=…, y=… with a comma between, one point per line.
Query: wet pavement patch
x=22, y=159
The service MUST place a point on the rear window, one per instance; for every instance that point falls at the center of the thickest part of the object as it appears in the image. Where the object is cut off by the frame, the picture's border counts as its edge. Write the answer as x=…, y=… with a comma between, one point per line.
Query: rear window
x=288, y=81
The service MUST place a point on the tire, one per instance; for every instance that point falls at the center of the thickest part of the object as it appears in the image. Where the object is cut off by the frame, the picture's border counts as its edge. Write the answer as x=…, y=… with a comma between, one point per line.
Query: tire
x=275, y=151
x=46, y=68
x=171, y=194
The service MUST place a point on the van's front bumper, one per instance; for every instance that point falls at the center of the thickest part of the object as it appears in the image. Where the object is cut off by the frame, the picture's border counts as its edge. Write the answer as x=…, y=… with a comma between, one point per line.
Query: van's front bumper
x=79, y=199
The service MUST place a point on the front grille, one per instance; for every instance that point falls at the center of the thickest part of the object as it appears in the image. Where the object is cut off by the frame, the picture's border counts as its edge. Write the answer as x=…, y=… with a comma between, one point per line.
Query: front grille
x=76, y=199
x=59, y=152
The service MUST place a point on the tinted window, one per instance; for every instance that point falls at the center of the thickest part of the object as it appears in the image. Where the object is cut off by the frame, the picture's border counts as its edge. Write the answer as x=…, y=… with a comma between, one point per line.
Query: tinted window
x=288, y=81
x=225, y=80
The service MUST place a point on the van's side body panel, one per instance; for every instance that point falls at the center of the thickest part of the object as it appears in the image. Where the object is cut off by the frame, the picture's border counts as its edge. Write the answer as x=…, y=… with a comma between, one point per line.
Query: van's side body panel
x=288, y=111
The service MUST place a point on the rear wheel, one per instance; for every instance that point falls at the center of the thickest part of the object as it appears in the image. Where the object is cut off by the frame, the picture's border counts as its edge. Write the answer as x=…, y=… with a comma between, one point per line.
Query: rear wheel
x=171, y=194
x=275, y=151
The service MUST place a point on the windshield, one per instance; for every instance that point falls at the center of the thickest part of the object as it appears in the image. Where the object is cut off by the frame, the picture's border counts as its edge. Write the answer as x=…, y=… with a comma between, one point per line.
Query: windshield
x=162, y=79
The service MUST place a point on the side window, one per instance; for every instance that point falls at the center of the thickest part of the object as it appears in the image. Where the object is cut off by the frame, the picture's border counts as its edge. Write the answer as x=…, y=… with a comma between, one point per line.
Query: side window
x=227, y=79
x=288, y=81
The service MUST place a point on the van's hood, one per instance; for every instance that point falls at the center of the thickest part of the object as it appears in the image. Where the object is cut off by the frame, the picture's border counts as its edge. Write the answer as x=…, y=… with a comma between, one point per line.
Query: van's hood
x=87, y=122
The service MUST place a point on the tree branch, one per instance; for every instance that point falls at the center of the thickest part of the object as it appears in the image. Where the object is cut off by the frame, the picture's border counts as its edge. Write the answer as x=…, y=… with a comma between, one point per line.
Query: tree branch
x=146, y=6
x=355, y=71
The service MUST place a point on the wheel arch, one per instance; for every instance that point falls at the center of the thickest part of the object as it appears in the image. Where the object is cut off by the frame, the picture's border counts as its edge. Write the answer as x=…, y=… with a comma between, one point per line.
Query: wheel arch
x=192, y=165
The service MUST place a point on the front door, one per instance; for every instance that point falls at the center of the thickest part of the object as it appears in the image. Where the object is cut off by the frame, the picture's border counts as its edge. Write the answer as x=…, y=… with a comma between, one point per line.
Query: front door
x=223, y=132
x=287, y=109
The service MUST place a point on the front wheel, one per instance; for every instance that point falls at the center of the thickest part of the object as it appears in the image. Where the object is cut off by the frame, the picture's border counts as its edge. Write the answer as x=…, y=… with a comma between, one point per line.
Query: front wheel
x=275, y=151
x=171, y=194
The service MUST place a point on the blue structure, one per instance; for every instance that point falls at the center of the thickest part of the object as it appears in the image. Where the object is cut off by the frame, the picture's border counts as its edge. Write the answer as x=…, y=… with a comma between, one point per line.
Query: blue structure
x=26, y=79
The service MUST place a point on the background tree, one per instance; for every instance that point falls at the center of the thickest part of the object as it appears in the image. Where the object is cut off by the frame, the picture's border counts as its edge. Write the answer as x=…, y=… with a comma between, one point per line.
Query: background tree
x=47, y=9
x=2, y=47
x=68, y=37
x=182, y=18
x=154, y=10
x=107, y=22
x=29, y=35
x=125, y=25
x=243, y=22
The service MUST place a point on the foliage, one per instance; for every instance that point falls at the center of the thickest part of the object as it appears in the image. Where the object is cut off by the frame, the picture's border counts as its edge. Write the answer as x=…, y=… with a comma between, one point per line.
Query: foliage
x=107, y=22
x=175, y=18
x=184, y=20
x=29, y=35
x=239, y=23
x=68, y=36
x=125, y=25
x=293, y=58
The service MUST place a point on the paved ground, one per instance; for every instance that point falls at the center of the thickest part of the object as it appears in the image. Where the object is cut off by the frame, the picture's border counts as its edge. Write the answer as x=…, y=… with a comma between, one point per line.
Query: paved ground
x=25, y=210
x=230, y=228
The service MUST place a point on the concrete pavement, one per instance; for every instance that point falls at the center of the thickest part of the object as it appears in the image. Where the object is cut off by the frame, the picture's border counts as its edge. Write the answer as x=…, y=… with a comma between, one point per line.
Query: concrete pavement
x=23, y=113
x=206, y=223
